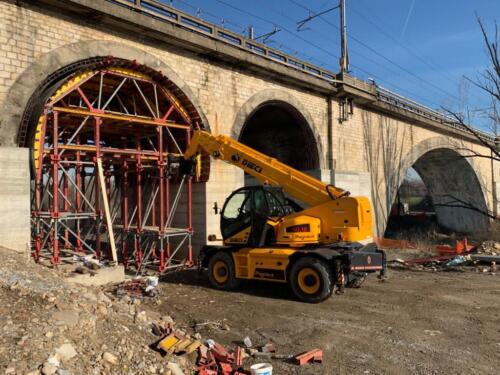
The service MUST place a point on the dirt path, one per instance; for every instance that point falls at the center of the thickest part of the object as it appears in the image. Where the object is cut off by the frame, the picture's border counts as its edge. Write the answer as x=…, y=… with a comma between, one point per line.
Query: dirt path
x=415, y=323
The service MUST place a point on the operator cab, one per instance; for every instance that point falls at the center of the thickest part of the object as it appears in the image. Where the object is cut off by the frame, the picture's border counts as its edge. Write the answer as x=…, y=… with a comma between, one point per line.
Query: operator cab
x=247, y=210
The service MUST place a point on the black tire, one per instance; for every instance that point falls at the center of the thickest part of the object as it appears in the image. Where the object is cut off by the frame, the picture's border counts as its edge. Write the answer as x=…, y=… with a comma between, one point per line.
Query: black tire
x=311, y=280
x=221, y=271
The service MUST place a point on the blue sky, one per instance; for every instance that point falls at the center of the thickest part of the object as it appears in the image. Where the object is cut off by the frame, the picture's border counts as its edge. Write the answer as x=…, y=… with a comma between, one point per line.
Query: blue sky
x=418, y=48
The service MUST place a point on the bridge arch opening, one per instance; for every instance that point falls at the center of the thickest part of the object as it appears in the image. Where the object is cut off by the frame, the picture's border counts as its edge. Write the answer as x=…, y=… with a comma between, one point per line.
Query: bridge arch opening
x=440, y=188
x=278, y=129
x=105, y=137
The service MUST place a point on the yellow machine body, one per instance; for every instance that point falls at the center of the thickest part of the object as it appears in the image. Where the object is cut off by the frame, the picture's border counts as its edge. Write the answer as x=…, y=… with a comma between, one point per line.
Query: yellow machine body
x=332, y=214
x=346, y=219
x=268, y=236
x=262, y=263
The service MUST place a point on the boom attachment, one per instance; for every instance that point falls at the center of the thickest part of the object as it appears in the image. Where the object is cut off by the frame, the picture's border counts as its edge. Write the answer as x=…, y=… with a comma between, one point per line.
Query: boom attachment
x=266, y=169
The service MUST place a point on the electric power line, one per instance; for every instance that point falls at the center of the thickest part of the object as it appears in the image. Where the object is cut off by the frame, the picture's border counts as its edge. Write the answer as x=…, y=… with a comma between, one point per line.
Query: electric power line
x=381, y=55
x=421, y=58
x=199, y=12
x=308, y=42
x=370, y=74
x=280, y=45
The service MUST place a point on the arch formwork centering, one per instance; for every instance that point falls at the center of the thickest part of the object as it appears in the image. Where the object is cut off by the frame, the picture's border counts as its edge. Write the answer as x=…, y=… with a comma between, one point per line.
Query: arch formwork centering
x=65, y=60
x=104, y=132
x=450, y=175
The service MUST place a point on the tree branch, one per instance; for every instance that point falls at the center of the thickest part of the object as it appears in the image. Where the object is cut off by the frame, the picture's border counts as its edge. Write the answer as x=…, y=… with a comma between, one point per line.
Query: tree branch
x=475, y=154
x=474, y=132
x=459, y=203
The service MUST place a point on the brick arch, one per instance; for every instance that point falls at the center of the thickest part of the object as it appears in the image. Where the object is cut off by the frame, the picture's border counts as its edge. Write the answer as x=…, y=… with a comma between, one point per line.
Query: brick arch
x=447, y=173
x=274, y=96
x=34, y=76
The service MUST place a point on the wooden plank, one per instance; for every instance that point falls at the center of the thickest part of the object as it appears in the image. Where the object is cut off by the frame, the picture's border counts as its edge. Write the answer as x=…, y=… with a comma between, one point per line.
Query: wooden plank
x=106, y=210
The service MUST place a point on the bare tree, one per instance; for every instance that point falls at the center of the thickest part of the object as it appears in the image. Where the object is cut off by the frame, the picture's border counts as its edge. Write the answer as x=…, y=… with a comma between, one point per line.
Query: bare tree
x=487, y=81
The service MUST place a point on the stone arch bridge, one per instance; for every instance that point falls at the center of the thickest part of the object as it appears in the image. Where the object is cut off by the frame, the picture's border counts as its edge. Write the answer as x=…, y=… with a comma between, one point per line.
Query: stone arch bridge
x=342, y=130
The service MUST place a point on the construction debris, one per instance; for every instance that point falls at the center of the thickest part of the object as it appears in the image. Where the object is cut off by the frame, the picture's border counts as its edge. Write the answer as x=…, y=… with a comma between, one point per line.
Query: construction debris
x=261, y=369
x=178, y=344
x=239, y=355
x=485, y=258
x=461, y=247
x=489, y=247
x=268, y=348
x=458, y=260
x=247, y=342
x=138, y=288
x=315, y=355
x=214, y=358
x=460, y=257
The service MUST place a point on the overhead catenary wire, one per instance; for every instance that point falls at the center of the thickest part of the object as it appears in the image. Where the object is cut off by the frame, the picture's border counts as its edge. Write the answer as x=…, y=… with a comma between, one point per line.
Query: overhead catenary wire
x=357, y=67
x=200, y=12
x=302, y=23
x=374, y=51
x=411, y=51
x=222, y=20
x=322, y=49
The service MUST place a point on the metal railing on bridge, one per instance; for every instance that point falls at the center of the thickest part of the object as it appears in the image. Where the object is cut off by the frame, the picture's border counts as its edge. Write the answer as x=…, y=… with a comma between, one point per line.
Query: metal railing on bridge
x=390, y=97
x=165, y=13
x=174, y=16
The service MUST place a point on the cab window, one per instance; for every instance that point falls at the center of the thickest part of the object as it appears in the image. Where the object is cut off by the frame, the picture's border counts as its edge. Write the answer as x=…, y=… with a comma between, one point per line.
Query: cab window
x=260, y=202
x=275, y=206
x=239, y=204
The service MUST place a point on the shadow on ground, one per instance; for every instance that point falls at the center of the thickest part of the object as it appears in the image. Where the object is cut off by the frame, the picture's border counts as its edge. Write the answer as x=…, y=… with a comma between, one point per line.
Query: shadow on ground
x=254, y=288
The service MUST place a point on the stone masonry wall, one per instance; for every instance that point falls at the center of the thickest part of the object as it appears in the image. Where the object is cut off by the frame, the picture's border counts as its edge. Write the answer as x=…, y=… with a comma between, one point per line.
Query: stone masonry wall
x=368, y=143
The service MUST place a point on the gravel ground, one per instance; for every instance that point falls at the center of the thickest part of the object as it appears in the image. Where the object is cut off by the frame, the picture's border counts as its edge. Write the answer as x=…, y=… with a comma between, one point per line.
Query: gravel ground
x=417, y=322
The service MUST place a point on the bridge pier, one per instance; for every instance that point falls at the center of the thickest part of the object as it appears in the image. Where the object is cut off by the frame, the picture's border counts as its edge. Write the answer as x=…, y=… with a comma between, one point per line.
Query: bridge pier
x=15, y=198
x=355, y=134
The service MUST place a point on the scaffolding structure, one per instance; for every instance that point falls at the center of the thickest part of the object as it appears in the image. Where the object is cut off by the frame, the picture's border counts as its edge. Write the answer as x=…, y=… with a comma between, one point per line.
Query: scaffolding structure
x=121, y=125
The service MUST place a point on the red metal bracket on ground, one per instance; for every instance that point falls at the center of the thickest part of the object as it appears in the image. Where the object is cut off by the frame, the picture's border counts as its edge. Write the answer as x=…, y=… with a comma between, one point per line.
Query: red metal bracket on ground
x=206, y=371
x=225, y=368
x=461, y=247
x=238, y=356
x=221, y=354
x=315, y=355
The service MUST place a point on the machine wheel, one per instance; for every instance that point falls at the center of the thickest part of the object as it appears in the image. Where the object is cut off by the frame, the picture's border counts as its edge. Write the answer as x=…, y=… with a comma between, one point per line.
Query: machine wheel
x=221, y=272
x=311, y=280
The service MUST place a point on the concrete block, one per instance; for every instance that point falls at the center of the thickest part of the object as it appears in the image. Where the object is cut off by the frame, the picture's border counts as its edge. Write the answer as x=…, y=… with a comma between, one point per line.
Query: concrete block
x=324, y=175
x=14, y=198
x=358, y=183
x=103, y=276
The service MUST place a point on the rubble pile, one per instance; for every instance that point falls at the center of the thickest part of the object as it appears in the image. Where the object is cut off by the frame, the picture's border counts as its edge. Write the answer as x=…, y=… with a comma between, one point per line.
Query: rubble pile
x=49, y=326
x=489, y=247
x=208, y=357
x=460, y=258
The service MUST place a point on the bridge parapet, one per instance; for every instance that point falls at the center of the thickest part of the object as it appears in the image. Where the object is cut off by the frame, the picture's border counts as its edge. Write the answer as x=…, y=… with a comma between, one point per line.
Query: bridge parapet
x=364, y=92
x=400, y=101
